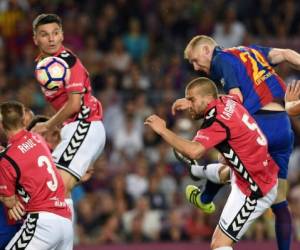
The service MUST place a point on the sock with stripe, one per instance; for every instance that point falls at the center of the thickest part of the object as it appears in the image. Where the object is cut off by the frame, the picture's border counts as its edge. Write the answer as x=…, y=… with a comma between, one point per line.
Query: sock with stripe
x=210, y=191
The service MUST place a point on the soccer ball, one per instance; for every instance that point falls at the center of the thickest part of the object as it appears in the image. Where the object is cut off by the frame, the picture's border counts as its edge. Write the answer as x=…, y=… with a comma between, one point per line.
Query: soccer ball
x=52, y=73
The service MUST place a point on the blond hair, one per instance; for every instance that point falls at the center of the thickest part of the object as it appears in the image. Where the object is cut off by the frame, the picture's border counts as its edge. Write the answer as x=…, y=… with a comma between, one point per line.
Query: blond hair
x=205, y=85
x=197, y=40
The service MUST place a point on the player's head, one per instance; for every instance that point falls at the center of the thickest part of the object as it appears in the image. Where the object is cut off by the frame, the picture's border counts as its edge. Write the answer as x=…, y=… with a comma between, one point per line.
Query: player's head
x=200, y=92
x=199, y=52
x=48, y=33
x=12, y=115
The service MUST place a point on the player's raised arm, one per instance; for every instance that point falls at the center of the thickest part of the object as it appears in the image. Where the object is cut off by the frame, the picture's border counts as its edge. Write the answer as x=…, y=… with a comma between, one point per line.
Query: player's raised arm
x=191, y=149
x=277, y=56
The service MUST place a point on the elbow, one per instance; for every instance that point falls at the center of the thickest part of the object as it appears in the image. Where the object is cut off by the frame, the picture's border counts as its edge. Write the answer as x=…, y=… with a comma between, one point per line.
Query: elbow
x=195, y=153
x=75, y=107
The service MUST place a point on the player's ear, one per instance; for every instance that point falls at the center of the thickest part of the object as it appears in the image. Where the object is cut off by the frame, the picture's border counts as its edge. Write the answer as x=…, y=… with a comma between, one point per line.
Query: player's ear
x=206, y=49
x=34, y=40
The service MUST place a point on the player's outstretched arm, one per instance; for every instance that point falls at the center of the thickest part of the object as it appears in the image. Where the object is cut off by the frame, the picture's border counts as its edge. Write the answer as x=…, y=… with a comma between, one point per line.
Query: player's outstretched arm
x=292, y=98
x=277, y=56
x=191, y=149
x=71, y=107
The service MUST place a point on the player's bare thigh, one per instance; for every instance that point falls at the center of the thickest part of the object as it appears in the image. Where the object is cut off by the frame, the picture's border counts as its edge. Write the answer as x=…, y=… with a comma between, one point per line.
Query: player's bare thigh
x=69, y=181
x=220, y=239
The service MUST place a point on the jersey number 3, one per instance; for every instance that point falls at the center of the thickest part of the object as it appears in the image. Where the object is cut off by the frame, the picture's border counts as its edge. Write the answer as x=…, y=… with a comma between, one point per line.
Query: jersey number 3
x=261, y=139
x=44, y=161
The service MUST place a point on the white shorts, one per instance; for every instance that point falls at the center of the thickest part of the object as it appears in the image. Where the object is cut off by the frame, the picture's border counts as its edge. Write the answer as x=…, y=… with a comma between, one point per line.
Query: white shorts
x=43, y=231
x=240, y=211
x=81, y=144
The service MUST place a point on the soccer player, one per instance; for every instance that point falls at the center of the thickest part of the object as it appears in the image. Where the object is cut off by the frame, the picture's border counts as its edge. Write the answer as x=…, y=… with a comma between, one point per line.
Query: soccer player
x=292, y=99
x=8, y=227
x=248, y=72
x=30, y=182
x=80, y=113
x=229, y=127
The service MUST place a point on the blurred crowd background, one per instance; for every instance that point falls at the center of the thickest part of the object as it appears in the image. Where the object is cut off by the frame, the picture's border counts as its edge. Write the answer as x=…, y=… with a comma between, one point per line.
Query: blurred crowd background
x=133, y=51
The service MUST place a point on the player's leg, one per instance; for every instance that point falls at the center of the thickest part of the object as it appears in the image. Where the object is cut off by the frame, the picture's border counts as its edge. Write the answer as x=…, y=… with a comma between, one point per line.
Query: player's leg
x=220, y=241
x=40, y=231
x=66, y=241
x=81, y=144
x=217, y=174
x=238, y=214
x=277, y=128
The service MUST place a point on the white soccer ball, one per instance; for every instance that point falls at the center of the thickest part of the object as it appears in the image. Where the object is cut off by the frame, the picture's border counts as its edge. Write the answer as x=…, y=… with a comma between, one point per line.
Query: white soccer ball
x=52, y=73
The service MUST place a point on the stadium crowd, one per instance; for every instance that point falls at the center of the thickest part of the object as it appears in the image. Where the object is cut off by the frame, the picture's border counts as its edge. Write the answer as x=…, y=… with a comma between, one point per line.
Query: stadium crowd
x=134, y=53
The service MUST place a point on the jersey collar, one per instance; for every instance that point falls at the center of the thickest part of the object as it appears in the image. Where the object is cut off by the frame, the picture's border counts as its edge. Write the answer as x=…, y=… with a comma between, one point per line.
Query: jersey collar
x=210, y=105
x=216, y=51
x=17, y=136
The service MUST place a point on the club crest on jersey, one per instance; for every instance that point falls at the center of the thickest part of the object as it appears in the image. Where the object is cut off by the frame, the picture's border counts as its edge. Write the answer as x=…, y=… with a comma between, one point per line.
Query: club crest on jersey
x=64, y=54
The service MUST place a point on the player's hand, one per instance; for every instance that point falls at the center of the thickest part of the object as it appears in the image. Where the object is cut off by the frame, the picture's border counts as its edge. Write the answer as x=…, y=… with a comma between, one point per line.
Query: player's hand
x=180, y=105
x=292, y=92
x=88, y=175
x=17, y=211
x=156, y=123
x=40, y=128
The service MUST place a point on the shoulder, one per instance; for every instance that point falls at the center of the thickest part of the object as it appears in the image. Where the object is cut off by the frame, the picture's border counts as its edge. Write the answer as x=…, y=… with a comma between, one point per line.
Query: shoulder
x=69, y=57
x=223, y=57
x=210, y=117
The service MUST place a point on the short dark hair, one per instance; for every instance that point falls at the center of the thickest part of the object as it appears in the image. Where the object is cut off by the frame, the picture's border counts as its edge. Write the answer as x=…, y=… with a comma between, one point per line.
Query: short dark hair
x=36, y=119
x=12, y=115
x=207, y=86
x=45, y=19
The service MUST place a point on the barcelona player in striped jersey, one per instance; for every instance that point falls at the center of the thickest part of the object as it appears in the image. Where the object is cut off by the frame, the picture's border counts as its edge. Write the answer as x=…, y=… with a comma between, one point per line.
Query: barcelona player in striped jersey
x=248, y=72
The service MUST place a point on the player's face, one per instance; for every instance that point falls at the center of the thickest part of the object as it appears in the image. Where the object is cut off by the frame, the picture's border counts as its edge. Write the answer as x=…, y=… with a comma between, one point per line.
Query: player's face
x=48, y=37
x=200, y=58
x=198, y=103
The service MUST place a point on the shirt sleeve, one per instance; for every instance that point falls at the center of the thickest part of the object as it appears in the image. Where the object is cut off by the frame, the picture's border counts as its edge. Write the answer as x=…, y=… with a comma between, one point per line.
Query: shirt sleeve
x=77, y=79
x=228, y=69
x=211, y=136
x=7, y=180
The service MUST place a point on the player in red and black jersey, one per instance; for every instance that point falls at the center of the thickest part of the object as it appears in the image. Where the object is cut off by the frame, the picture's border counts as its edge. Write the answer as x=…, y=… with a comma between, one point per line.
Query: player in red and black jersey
x=30, y=182
x=80, y=113
x=229, y=127
x=249, y=72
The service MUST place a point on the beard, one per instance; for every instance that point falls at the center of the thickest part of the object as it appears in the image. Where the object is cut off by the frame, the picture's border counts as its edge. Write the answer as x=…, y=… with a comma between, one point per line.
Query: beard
x=197, y=117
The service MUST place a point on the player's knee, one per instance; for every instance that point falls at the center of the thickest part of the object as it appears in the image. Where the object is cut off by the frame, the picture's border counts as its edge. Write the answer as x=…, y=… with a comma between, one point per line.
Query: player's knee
x=224, y=174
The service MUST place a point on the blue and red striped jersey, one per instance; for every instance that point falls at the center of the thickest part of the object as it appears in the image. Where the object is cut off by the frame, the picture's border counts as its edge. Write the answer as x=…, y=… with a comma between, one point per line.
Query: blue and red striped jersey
x=248, y=69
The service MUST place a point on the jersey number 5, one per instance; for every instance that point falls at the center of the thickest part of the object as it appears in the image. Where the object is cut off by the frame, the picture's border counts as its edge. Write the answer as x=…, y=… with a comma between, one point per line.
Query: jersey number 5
x=44, y=161
x=261, y=139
